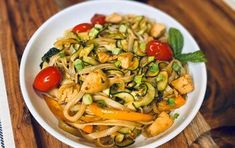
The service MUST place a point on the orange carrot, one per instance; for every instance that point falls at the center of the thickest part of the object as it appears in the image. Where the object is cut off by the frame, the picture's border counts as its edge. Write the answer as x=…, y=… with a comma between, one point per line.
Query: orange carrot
x=55, y=107
x=178, y=102
x=88, y=129
x=118, y=115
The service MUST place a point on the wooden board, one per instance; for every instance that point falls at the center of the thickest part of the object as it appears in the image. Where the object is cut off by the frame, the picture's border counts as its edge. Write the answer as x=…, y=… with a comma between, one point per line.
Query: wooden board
x=211, y=23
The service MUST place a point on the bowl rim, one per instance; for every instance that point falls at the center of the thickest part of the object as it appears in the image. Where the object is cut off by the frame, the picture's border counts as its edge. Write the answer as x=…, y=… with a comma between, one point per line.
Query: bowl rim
x=67, y=140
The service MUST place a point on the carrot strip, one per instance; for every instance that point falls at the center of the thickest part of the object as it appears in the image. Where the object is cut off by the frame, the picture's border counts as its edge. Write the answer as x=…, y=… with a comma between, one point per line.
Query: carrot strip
x=88, y=129
x=118, y=115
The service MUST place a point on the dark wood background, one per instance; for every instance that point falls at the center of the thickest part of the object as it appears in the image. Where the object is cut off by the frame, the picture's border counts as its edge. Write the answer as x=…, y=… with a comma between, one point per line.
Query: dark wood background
x=212, y=24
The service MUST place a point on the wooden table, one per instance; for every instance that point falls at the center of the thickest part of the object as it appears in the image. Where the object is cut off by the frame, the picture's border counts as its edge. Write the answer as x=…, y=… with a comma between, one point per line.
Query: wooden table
x=212, y=24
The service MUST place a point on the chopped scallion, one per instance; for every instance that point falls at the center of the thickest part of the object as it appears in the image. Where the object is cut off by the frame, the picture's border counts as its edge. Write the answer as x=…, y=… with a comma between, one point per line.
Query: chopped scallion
x=87, y=99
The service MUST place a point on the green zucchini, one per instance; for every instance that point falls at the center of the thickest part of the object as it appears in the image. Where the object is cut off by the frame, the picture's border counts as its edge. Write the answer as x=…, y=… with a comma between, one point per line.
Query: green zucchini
x=148, y=98
x=124, y=130
x=135, y=64
x=126, y=142
x=146, y=60
x=127, y=97
x=119, y=138
x=49, y=54
x=162, y=80
x=153, y=70
x=137, y=50
x=114, y=72
x=140, y=92
x=90, y=61
x=85, y=51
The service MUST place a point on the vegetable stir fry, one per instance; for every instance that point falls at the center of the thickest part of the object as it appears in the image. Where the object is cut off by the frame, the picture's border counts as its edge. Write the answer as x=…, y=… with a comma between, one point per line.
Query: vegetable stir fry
x=116, y=78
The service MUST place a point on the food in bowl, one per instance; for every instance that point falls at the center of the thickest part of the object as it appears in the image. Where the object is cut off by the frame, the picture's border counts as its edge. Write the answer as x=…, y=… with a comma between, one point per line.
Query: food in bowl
x=115, y=78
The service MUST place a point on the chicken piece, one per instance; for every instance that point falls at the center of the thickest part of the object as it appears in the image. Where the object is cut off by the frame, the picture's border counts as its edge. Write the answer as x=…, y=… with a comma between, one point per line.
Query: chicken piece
x=157, y=30
x=183, y=84
x=162, y=123
x=113, y=18
x=126, y=59
x=95, y=81
x=105, y=57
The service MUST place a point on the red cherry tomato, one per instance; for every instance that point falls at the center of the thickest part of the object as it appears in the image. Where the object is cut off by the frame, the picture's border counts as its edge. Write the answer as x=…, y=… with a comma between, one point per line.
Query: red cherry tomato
x=98, y=19
x=47, y=79
x=161, y=51
x=83, y=27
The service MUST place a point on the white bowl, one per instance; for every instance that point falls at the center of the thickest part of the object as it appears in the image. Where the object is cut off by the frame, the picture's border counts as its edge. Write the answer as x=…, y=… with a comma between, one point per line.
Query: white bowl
x=54, y=27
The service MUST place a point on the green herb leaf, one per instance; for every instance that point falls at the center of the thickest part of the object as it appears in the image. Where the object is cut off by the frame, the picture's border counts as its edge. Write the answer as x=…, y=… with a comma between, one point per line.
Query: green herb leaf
x=176, y=40
x=197, y=56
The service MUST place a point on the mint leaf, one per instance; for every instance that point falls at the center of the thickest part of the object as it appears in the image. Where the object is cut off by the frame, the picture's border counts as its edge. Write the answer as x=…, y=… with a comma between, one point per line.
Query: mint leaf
x=197, y=56
x=176, y=40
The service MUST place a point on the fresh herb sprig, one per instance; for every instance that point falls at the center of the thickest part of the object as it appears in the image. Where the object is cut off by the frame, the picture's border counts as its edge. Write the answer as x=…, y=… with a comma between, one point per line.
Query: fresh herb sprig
x=176, y=41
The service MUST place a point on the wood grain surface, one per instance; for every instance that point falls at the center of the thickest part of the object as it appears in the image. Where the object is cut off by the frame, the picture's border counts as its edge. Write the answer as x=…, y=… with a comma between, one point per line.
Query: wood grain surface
x=210, y=22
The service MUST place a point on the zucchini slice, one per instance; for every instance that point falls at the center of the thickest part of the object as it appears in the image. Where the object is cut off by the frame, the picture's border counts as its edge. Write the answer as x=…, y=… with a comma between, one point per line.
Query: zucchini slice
x=135, y=64
x=85, y=51
x=127, y=97
x=148, y=98
x=153, y=70
x=162, y=80
x=90, y=61
x=114, y=72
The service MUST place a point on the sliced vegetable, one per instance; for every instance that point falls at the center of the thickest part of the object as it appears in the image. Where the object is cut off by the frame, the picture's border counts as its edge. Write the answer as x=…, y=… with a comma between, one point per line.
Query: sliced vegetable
x=135, y=64
x=47, y=79
x=127, y=97
x=119, y=138
x=126, y=142
x=88, y=128
x=171, y=103
x=55, y=107
x=119, y=115
x=78, y=64
x=90, y=61
x=176, y=67
x=153, y=70
x=49, y=54
x=123, y=28
x=95, y=31
x=162, y=80
x=148, y=98
x=87, y=99
x=85, y=52
x=138, y=79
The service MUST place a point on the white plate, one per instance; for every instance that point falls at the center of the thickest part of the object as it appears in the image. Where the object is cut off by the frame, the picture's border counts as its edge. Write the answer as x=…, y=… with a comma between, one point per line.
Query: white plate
x=53, y=28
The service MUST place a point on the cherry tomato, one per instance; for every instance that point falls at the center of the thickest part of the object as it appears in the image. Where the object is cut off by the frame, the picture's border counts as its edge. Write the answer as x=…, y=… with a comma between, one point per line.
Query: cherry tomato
x=98, y=19
x=47, y=79
x=83, y=27
x=161, y=51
